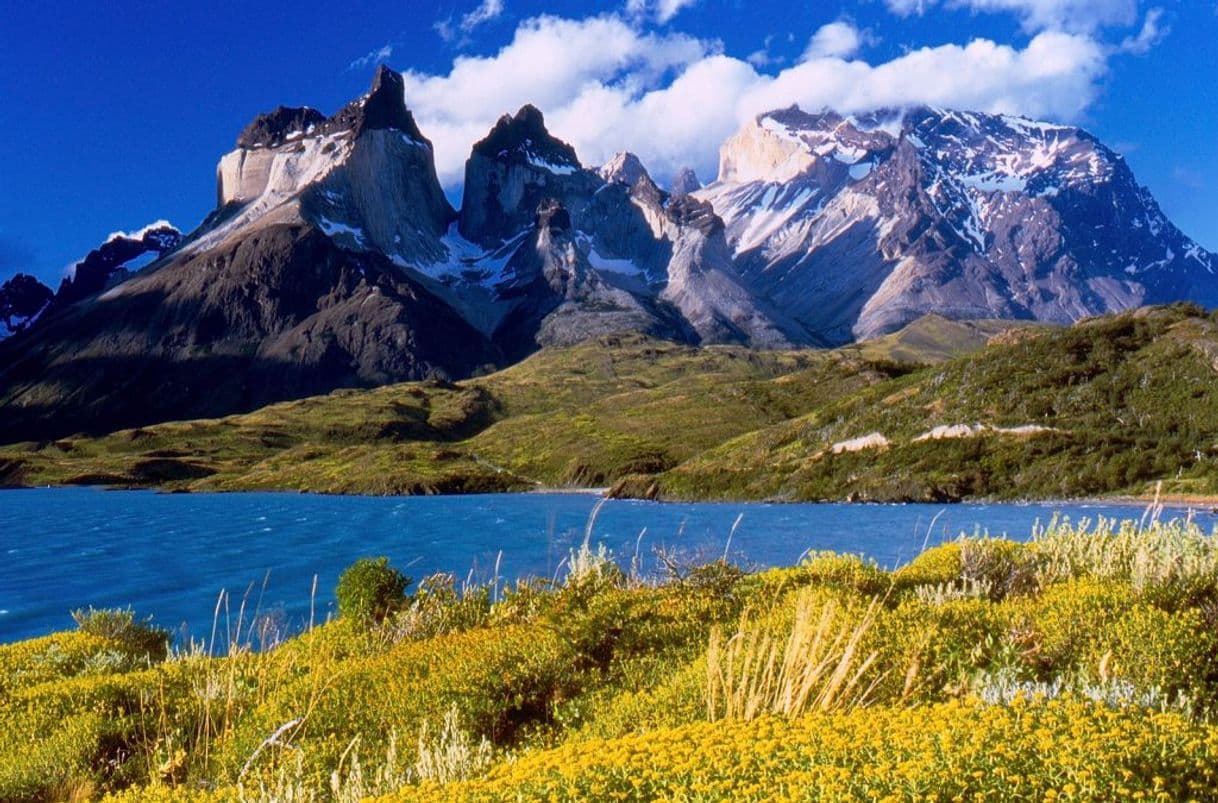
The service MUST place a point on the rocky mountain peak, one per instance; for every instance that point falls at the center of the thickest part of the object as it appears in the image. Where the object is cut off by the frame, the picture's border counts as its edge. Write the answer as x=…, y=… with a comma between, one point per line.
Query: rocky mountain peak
x=782, y=145
x=22, y=299
x=624, y=168
x=522, y=138
x=685, y=182
x=115, y=257
x=275, y=127
x=384, y=107
x=512, y=170
x=687, y=210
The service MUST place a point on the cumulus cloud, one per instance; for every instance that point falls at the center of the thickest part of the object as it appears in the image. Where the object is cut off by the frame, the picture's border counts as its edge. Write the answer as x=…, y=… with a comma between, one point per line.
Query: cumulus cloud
x=672, y=99
x=1078, y=16
x=836, y=40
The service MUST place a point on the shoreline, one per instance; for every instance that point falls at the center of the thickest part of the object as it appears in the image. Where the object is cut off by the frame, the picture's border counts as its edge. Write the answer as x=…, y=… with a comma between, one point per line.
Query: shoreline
x=1174, y=501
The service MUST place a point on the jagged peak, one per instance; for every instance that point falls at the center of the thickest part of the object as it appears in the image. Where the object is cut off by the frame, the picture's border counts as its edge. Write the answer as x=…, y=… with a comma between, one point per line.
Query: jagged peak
x=382, y=107
x=522, y=138
x=275, y=127
x=623, y=168
x=685, y=182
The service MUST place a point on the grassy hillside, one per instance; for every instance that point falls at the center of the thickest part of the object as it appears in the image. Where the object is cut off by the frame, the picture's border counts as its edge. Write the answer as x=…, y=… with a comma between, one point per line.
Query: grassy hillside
x=585, y=415
x=942, y=410
x=1080, y=666
x=1109, y=405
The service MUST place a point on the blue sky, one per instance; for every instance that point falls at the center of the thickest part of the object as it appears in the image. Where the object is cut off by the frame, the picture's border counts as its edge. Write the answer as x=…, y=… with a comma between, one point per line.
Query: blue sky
x=116, y=113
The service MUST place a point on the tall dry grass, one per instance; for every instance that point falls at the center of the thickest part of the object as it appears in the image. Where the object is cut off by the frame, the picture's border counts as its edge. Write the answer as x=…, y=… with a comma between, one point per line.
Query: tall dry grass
x=818, y=666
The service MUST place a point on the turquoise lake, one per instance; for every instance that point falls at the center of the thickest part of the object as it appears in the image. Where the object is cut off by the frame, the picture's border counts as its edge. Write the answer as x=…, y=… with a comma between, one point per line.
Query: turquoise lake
x=171, y=555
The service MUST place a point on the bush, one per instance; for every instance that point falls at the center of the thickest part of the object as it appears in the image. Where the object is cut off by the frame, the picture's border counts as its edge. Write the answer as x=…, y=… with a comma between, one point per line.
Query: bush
x=140, y=639
x=438, y=607
x=853, y=572
x=935, y=566
x=370, y=589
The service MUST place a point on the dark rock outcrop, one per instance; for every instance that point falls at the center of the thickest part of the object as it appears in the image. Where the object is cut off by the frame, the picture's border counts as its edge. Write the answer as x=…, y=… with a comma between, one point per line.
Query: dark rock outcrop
x=274, y=127
x=22, y=299
x=384, y=107
x=107, y=262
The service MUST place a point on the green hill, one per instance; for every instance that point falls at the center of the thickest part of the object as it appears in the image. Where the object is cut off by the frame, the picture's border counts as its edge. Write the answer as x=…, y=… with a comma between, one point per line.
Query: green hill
x=939, y=411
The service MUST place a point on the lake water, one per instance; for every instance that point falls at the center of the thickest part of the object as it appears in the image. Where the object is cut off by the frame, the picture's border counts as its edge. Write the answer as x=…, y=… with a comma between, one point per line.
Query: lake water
x=170, y=556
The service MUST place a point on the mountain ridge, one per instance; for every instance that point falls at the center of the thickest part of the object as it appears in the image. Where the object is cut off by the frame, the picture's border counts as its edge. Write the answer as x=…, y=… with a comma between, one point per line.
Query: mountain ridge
x=821, y=229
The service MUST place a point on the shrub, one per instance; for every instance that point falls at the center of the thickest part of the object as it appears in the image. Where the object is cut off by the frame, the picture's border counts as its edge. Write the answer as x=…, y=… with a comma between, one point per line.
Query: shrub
x=1057, y=630
x=438, y=607
x=1004, y=567
x=846, y=571
x=370, y=589
x=1173, y=561
x=935, y=566
x=141, y=639
x=1064, y=749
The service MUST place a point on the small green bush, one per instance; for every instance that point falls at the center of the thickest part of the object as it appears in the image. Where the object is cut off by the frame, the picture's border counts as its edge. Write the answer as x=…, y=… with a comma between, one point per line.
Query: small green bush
x=139, y=638
x=370, y=589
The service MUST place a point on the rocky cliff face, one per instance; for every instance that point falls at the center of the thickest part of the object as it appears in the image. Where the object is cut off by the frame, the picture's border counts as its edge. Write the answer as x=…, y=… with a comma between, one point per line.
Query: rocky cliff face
x=859, y=225
x=365, y=176
x=704, y=286
x=510, y=172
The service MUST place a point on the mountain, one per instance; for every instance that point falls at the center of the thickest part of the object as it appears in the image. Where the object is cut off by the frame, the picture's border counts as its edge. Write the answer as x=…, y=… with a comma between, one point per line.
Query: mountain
x=114, y=260
x=24, y=299
x=333, y=258
x=291, y=287
x=548, y=252
x=858, y=225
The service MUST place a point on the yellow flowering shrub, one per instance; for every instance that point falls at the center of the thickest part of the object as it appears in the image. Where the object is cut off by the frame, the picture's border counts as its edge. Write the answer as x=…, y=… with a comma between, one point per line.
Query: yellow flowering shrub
x=60, y=655
x=940, y=564
x=1060, y=750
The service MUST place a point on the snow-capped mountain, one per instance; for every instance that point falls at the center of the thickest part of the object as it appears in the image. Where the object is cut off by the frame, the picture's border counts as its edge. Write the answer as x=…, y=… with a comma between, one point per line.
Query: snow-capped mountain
x=334, y=259
x=858, y=225
x=548, y=252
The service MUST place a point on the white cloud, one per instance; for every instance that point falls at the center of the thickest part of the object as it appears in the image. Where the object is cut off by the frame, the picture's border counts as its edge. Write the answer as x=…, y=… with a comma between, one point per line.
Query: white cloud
x=836, y=40
x=661, y=10
x=606, y=86
x=378, y=56
x=1153, y=32
x=1078, y=16
x=485, y=12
